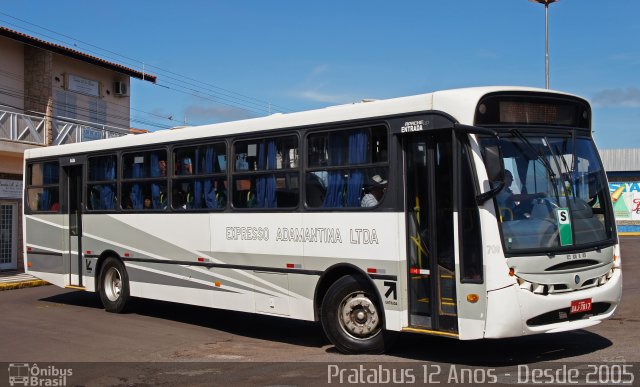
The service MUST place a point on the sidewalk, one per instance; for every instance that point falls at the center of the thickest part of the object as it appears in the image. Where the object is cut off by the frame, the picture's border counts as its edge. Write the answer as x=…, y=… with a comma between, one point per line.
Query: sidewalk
x=16, y=280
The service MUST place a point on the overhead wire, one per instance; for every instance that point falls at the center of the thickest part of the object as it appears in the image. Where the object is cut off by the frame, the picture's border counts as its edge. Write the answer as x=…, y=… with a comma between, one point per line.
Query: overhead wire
x=234, y=96
x=19, y=93
x=176, y=88
x=196, y=94
x=8, y=74
x=78, y=111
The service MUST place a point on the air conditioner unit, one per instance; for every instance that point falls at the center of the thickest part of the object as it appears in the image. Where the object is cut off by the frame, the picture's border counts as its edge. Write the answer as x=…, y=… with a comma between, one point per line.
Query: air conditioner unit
x=120, y=89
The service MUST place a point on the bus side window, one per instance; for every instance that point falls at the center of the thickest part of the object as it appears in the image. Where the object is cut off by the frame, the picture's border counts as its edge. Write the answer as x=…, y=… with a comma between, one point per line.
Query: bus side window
x=341, y=165
x=101, y=184
x=266, y=173
x=200, y=177
x=144, y=185
x=471, y=255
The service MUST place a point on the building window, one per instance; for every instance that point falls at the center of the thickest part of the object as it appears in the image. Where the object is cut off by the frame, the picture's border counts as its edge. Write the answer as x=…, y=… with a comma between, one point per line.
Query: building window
x=8, y=237
x=97, y=111
x=64, y=105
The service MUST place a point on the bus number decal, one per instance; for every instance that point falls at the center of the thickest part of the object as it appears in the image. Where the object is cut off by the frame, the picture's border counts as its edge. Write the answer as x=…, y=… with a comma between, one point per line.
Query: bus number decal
x=493, y=249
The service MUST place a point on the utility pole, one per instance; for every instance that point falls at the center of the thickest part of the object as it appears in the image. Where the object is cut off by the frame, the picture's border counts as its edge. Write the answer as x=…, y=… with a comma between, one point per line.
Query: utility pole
x=546, y=35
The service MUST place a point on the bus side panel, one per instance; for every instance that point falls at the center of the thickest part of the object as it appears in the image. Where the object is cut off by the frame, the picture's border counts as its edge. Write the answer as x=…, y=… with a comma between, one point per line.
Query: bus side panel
x=504, y=317
x=135, y=237
x=367, y=240
x=44, y=248
x=259, y=242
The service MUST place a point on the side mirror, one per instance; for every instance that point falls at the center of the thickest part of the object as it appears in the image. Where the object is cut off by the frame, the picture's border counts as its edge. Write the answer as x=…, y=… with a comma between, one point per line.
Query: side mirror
x=495, y=171
x=494, y=162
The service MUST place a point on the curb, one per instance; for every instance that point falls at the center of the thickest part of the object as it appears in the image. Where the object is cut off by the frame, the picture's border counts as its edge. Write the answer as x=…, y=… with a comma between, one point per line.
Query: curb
x=22, y=284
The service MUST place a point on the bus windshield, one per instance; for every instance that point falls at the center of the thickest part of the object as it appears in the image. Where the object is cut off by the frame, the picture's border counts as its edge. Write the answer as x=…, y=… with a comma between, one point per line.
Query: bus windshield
x=555, y=195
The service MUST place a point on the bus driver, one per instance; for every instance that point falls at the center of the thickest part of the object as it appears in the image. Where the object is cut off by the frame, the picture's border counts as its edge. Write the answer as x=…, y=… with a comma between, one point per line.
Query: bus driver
x=507, y=199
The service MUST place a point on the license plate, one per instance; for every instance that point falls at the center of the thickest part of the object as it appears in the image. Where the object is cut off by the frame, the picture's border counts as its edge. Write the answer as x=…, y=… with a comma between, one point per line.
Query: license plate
x=580, y=306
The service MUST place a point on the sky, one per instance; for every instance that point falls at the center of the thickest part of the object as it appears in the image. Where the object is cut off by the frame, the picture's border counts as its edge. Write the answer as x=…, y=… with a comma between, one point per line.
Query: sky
x=227, y=60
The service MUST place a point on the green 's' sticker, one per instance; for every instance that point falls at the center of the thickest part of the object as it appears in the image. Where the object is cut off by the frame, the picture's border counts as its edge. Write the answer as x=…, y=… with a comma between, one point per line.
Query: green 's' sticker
x=564, y=226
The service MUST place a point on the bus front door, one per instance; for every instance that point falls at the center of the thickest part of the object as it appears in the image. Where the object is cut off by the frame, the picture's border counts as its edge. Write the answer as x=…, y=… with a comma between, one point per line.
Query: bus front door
x=73, y=206
x=429, y=170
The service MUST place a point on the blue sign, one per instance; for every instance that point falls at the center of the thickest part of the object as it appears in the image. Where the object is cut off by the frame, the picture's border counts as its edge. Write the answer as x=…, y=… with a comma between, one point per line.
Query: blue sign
x=89, y=134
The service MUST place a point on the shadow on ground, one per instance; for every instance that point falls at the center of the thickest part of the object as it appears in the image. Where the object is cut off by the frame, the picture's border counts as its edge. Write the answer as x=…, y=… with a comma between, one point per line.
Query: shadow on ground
x=502, y=352
x=499, y=352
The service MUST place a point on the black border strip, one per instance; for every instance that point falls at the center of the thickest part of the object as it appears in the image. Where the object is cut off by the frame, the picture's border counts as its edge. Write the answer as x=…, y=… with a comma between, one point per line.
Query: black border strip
x=242, y=267
x=45, y=253
x=387, y=277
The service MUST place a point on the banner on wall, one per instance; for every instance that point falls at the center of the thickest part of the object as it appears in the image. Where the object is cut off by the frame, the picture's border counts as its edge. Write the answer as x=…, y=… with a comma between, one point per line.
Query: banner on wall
x=626, y=201
x=10, y=189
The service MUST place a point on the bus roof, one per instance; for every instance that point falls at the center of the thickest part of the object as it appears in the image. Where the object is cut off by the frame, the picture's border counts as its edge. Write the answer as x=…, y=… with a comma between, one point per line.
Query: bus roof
x=459, y=103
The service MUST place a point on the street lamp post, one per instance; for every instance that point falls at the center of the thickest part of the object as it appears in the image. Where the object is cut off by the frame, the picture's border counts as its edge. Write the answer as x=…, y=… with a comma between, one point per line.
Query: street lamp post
x=546, y=36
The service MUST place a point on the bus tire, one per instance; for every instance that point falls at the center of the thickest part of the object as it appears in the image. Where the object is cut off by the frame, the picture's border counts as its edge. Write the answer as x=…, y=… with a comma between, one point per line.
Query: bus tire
x=351, y=318
x=114, y=286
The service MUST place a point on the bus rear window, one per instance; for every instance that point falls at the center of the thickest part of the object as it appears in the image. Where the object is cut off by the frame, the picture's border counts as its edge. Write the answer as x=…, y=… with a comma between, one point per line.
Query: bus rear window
x=43, y=192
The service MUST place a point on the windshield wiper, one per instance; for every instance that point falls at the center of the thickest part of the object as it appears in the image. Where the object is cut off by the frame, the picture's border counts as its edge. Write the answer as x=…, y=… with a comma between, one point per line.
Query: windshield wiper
x=540, y=156
x=565, y=176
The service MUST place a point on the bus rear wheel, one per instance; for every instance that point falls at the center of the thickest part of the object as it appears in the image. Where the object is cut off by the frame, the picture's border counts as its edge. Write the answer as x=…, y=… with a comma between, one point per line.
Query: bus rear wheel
x=351, y=318
x=114, y=286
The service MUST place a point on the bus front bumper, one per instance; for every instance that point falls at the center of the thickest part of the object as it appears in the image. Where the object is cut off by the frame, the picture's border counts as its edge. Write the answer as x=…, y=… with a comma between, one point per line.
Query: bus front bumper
x=536, y=313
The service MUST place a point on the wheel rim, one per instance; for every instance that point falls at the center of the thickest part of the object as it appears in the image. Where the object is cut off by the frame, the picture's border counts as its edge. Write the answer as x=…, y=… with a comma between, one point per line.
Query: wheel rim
x=358, y=316
x=112, y=284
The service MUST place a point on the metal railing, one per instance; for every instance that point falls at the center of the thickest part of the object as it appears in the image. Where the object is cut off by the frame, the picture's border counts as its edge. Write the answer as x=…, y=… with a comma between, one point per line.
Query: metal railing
x=20, y=127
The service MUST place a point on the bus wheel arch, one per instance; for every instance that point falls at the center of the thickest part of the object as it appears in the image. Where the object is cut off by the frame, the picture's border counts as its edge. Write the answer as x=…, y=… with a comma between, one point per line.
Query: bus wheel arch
x=112, y=283
x=333, y=274
x=340, y=290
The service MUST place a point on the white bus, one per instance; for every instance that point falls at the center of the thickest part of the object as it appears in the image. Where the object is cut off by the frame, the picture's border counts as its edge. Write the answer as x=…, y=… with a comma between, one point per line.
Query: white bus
x=471, y=213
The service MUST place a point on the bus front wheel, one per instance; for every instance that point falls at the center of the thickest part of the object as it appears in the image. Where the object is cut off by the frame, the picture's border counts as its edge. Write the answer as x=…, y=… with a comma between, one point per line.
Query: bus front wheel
x=351, y=318
x=114, y=285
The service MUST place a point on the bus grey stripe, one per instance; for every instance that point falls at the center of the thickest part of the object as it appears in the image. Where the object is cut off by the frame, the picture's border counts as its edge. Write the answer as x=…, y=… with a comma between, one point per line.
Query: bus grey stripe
x=137, y=275
x=47, y=263
x=34, y=253
x=112, y=229
x=175, y=268
x=251, y=268
x=226, y=266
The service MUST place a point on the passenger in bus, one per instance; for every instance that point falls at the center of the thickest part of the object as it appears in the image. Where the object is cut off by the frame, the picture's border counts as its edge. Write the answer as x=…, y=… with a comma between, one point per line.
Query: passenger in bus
x=179, y=201
x=374, y=191
x=126, y=203
x=163, y=167
x=147, y=203
x=186, y=168
x=513, y=206
x=221, y=192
